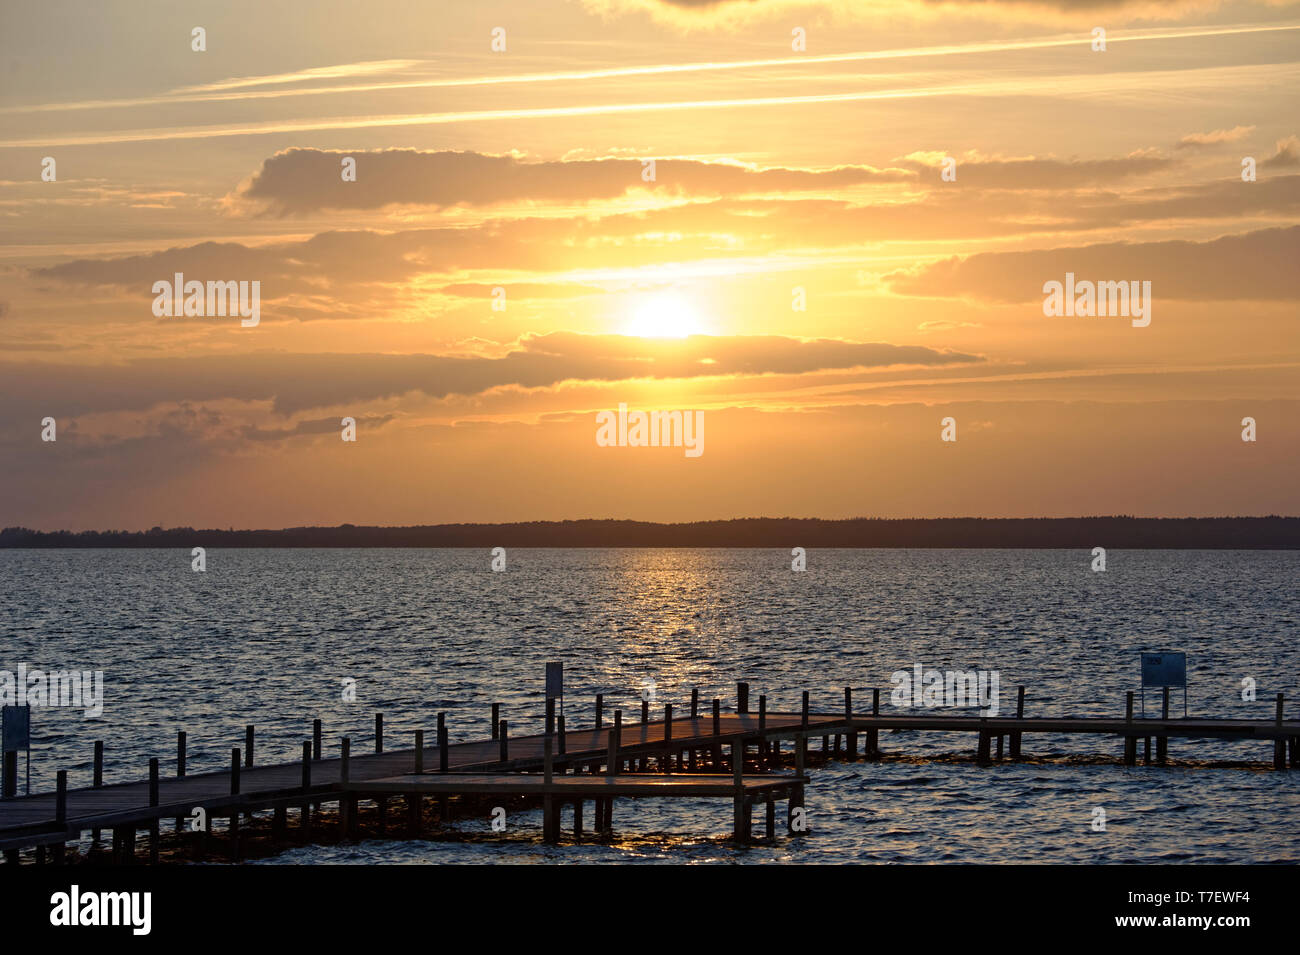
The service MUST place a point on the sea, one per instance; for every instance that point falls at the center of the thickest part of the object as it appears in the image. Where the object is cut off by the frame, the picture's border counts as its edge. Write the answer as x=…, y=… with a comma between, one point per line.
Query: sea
x=279, y=637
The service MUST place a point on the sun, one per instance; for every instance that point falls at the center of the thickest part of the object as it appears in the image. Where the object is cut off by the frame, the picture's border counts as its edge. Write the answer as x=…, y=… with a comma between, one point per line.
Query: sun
x=664, y=316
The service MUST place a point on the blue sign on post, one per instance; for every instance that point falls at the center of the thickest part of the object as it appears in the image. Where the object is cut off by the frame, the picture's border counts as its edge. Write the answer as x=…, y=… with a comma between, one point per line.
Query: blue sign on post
x=554, y=681
x=1164, y=669
x=16, y=728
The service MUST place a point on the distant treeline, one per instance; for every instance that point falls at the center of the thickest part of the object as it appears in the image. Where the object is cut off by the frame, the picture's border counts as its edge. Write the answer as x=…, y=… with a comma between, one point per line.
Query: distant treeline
x=1071, y=532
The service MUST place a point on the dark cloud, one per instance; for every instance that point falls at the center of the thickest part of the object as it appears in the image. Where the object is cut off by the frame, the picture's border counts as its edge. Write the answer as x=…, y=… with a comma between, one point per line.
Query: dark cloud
x=296, y=383
x=308, y=180
x=1256, y=266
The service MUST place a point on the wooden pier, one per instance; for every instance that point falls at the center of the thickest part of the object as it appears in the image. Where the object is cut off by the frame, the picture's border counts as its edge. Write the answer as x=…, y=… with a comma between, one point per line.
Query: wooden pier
x=737, y=755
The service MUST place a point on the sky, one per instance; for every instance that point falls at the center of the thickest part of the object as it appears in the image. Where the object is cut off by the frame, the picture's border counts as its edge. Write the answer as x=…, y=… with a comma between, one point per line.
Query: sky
x=825, y=231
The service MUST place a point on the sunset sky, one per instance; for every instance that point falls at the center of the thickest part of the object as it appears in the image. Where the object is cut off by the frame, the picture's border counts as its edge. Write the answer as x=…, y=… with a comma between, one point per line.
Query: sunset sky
x=780, y=174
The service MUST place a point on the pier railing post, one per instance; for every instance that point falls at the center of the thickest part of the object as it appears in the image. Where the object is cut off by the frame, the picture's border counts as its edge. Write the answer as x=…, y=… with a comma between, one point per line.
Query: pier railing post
x=1020, y=712
x=315, y=739
x=742, y=697
x=550, y=829
x=762, y=732
x=695, y=702
x=153, y=802
x=803, y=710
x=345, y=760
x=740, y=807
x=442, y=743
x=248, y=745
x=419, y=752
x=611, y=756
x=600, y=710
x=234, y=771
x=560, y=734
x=645, y=712
x=850, y=734
x=180, y=770
x=1279, y=744
x=873, y=734
x=61, y=792
x=618, y=734
x=1130, y=742
x=1162, y=741
x=717, y=733
x=496, y=719
x=306, y=787
x=666, y=761
x=379, y=732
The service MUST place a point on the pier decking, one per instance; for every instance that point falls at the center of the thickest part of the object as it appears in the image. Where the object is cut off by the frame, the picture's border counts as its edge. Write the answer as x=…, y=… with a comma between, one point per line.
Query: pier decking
x=599, y=763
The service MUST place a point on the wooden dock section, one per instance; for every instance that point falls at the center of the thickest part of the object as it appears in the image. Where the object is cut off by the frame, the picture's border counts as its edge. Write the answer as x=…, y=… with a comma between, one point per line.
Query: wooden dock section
x=715, y=754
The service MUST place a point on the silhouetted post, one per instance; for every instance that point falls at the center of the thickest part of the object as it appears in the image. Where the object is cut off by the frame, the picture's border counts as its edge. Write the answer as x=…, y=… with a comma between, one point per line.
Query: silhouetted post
x=717, y=733
x=1020, y=713
x=379, y=732
x=762, y=730
x=559, y=733
x=234, y=771
x=873, y=734
x=153, y=801
x=742, y=697
x=315, y=739
x=618, y=732
x=419, y=752
x=850, y=735
x=600, y=710
x=695, y=702
x=61, y=813
x=740, y=806
x=345, y=759
x=550, y=716
x=248, y=745
x=496, y=719
x=803, y=710
x=99, y=761
x=611, y=757
x=306, y=788
x=982, y=754
x=1130, y=742
x=667, y=760
x=1162, y=742
x=645, y=712
x=1279, y=744
x=347, y=803
x=443, y=754
x=503, y=731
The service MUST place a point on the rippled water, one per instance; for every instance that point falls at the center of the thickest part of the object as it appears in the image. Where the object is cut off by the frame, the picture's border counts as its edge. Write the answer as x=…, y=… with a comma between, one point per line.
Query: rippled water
x=267, y=636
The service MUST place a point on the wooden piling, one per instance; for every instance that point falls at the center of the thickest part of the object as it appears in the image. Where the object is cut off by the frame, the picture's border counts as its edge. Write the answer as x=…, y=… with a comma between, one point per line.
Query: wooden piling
x=98, y=777
x=762, y=731
x=503, y=730
x=443, y=745
x=1020, y=712
x=379, y=732
x=695, y=702
x=248, y=745
x=600, y=711
x=1130, y=742
x=803, y=710
x=234, y=771
x=419, y=752
x=316, y=732
x=982, y=754
x=306, y=788
x=1162, y=741
x=742, y=697
x=153, y=801
x=1279, y=744
x=496, y=719
x=560, y=735
x=873, y=734
x=850, y=734
x=666, y=760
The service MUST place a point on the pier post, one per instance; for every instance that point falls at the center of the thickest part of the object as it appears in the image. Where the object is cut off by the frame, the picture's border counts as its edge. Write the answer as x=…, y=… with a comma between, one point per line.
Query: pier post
x=234, y=812
x=611, y=759
x=717, y=732
x=803, y=710
x=560, y=741
x=549, y=816
x=419, y=752
x=153, y=801
x=742, y=697
x=443, y=748
x=982, y=754
x=666, y=761
x=1020, y=712
x=503, y=729
x=98, y=777
x=1130, y=742
x=600, y=711
x=248, y=745
x=180, y=772
x=850, y=734
x=306, y=787
x=348, y=802
x=234, y=771
x=873, y=734
x=345, y=759
x=1162, y=741
x=61, y=811
x=739, y=805
x=379, y=732
x=496, y=719
x=695, y=702
x=577, y=820
x=618, y=736
x=315, y=739
x=1279, y=744
x=762, y=732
